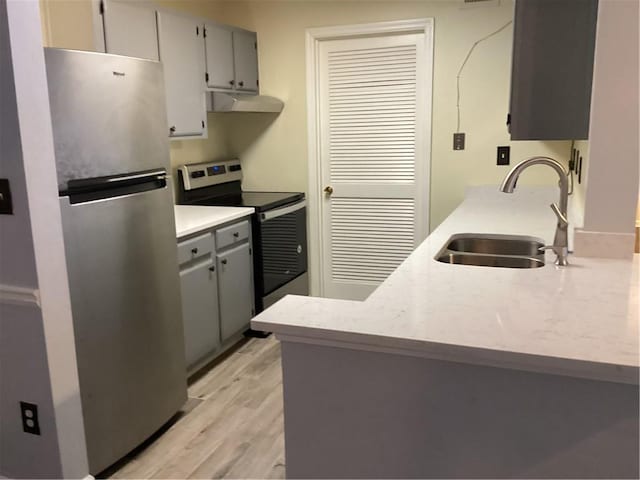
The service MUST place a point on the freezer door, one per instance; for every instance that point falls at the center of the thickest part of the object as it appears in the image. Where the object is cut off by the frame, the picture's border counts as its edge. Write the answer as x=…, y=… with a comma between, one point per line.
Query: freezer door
x=108, y=114
x=125, y=295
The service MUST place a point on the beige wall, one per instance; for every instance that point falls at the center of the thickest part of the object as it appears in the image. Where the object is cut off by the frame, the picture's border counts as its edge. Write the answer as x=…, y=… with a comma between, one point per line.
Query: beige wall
x=278, y=158
x=274, y=149
x=578, y=201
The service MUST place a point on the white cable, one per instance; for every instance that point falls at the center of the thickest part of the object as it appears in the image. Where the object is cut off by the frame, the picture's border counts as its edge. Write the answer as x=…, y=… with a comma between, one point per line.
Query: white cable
x=465, y=62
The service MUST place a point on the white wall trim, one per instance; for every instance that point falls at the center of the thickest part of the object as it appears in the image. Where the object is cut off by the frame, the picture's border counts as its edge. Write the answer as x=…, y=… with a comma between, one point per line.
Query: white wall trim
x=313, y=37
x=377, y=28
x=38, y=158
x=12, y=295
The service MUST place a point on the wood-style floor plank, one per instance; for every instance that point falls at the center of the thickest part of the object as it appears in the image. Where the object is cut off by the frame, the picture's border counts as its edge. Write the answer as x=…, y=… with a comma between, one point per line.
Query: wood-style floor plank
x=231, y=427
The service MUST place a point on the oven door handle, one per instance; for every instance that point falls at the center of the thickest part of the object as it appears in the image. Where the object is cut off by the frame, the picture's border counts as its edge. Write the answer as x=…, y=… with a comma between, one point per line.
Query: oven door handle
x=278, y=212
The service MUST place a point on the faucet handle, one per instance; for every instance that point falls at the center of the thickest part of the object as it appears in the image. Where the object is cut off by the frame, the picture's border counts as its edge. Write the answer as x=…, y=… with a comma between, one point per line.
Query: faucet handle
x=562, y=219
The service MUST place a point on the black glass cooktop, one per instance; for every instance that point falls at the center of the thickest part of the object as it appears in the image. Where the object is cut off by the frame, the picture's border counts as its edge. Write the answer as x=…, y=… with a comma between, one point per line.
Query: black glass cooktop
x=261, y=201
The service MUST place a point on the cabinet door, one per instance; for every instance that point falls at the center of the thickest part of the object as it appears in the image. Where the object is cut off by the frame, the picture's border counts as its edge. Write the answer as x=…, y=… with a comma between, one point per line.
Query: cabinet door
x=235, y=290
x=182, y=54
x=552, y=69
x=219, y=50
x=245, y=59
x=130, y=29
x=200, y=310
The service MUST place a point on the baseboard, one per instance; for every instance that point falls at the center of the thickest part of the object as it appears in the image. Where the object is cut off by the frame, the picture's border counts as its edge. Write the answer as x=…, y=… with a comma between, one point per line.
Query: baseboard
x=603, y=244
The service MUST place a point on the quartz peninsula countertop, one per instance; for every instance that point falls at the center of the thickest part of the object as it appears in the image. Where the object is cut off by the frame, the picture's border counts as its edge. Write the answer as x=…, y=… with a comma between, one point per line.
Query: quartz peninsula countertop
x=579, y=321
x=191, y=219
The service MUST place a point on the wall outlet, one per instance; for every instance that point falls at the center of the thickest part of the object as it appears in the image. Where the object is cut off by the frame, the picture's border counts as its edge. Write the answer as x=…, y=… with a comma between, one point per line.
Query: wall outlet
x=503, y=155
x=30, y=422
x=458, y=141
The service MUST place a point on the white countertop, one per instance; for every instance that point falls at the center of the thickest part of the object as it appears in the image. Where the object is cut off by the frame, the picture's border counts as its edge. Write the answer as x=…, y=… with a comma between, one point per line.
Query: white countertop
x=579, y=321
x=194, y=218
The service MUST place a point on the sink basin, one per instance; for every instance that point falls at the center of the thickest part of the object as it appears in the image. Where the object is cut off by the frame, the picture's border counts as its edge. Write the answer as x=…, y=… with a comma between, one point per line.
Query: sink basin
x=489, y=250
x=491, y=260
x=495, y=244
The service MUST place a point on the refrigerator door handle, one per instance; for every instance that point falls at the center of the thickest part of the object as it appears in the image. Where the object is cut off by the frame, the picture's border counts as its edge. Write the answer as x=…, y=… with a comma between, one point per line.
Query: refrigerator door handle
x=115, y=181
x=89, y=189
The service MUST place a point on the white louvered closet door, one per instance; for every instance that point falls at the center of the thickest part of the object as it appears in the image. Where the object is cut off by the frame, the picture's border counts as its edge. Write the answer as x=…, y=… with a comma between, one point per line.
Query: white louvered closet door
x=372, y=148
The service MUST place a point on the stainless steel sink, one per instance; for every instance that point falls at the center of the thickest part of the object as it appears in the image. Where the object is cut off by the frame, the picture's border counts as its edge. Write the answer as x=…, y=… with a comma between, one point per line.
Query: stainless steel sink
x=492, y=250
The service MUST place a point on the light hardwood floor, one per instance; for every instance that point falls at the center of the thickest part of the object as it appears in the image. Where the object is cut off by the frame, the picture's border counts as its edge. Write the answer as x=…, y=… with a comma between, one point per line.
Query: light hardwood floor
x=231, y=427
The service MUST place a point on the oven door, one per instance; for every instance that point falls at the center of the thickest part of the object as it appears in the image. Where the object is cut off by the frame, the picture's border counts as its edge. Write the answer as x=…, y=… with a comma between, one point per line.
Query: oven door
x=283, y=246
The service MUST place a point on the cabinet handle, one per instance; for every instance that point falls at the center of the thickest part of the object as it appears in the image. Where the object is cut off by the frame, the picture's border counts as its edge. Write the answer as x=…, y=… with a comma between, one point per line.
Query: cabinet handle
x=224, y=262
x=241, y=83
x=236, y=234
x=194, y=251
x=232, y=82
x=212, y=268
x=172, y=129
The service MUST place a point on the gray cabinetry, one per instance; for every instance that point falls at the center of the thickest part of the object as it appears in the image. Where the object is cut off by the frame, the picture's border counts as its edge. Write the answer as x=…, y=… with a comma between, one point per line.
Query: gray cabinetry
x=245, y=59
x=231, y=58
x=219, y=57
x=181, y=47
x=130, y=29
x=235, y=289
x=216, y=276
x=200, y=310
x=199, y=288
x=552, y=69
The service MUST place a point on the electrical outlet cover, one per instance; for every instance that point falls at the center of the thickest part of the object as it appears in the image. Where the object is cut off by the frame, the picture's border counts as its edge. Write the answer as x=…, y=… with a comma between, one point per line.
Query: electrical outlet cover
x=30, y=422
x=458, y=141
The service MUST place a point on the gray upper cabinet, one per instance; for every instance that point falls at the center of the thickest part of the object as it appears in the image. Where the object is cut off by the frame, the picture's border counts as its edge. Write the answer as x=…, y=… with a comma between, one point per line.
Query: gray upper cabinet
x=552, y=69
x=181, y=46
x=130, y=29
x=231, y=59
x=219, y=57
x=245, y=58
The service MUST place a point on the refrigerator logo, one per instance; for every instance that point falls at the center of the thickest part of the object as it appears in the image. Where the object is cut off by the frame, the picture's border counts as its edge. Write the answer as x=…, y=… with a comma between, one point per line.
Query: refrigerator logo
x=118, y=74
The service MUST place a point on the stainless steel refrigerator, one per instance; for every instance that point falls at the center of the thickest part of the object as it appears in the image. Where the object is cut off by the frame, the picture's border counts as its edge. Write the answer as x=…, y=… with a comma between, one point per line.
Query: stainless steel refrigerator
x=112, y=157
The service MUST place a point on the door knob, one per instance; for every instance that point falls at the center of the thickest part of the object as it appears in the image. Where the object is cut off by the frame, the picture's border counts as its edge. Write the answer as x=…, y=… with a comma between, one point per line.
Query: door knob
x=328, y=190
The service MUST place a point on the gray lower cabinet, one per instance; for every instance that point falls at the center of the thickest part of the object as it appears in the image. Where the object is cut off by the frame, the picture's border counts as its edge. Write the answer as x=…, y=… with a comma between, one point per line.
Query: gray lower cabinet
x=199, y=289
x=216, y=278
x=199, y=286
x=235, y=289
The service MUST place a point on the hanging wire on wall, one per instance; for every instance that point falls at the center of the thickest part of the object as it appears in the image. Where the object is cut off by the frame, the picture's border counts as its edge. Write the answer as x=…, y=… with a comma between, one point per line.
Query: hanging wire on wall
x=466, y=59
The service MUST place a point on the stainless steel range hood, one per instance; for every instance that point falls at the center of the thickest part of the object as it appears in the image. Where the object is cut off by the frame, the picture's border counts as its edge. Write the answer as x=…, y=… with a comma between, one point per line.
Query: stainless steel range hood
x=237, y=102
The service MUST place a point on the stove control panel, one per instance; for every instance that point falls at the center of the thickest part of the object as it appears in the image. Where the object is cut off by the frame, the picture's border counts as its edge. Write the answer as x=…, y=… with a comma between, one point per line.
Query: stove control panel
x=198, y=175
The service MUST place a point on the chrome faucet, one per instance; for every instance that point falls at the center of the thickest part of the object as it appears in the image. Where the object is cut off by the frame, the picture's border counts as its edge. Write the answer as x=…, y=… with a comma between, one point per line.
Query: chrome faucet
x=560, y=241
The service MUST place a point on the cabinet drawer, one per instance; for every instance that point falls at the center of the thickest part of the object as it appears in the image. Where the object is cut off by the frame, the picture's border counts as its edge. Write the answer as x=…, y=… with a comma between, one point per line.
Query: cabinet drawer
x=195, y=247
x=232, y=234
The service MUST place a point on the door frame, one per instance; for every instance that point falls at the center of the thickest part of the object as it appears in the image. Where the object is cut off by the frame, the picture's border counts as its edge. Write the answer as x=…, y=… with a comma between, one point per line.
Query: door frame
x=313, y=38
